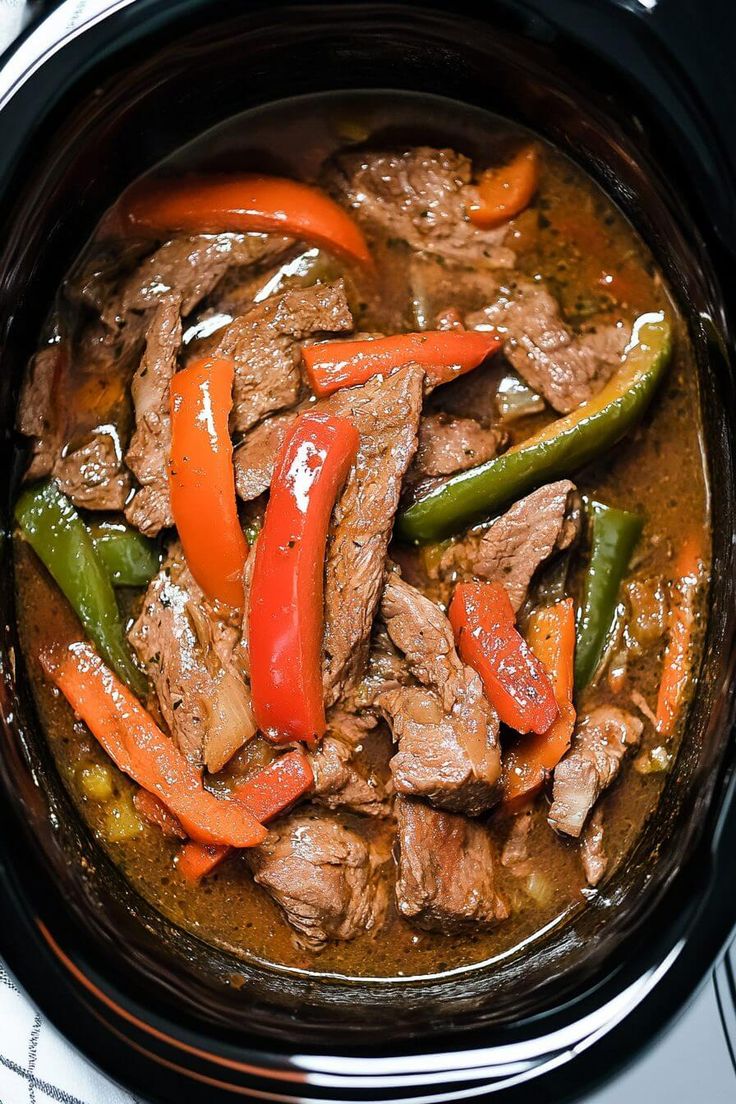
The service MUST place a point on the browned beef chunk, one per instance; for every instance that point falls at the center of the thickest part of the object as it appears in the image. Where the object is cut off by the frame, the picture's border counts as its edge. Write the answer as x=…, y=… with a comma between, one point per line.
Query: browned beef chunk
x=599, y=745
x=348, y=765
x=192, y=656
x=421, y=197
x=93, y=475
x=448, y=445
x=150, y=508
x=446, y=729
x=255, y=459
x=36, y=416
x=265, y=344
x=325, y=875
x=592, y=849
x=567, y=368
x=188, y=268
x=446, y=878
x=515, y=854
x=386, y=415
x=516, y=545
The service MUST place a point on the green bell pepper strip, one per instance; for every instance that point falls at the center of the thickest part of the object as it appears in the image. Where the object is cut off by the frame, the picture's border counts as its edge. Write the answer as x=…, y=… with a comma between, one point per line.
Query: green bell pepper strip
x=60, y=539
x=614, y=534
x=558, y=450
x=129, y=558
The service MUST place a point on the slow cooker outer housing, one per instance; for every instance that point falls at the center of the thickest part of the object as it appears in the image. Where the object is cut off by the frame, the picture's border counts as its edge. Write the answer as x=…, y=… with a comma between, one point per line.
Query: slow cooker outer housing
x=150, y=1004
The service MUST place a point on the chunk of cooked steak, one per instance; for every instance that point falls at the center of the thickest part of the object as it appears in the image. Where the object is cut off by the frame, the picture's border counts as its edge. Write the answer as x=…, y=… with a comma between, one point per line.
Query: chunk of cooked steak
x=255, y=459
x=191, y=654
x=516, y=544
x=189, y=268
x=566, y=368
x=345, y=769
x=446, y=730
x=325, y=875
x=386, y=414
x=592, y=849
x=150, y=508
x=601, y=741
x=93, y=475
x=448, y=445
x=420, y=196
x=265, y=344
x=515, y=854
x=36, y=416
x=446, y=870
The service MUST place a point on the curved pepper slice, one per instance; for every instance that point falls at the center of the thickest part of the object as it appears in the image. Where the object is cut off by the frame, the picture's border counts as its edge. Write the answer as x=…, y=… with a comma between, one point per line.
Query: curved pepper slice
x=515, y=682
x=265, y=794
x=286, y=617
x=202, y=479
x=129, y=558
x=444, y=355
x=141, y=750
x=558, y=450
x=242, y=203
x=506, y=191
x=614, y=533
x=60, y=539
x=551, y=636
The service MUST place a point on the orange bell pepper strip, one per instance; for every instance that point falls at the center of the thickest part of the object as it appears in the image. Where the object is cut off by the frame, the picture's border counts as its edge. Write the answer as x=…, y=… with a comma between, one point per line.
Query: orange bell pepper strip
x=265, y=794
x=444, y=355
x=551, y=636
x=242, y=203
x=286, y=616
x=676, y=665
x=141, y=750
x=506, y=191
x=202, y=479
x=515, y=682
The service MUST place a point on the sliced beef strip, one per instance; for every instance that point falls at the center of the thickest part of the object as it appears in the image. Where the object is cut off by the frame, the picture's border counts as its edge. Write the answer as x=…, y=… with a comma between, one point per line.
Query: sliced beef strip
x=421, y=197
x=601, y=741
x=446, y=870
x=189, y=268
x=325, y=875
x=150, y=508
x=446, y=730
x=566, y=368
x=344, y=772
x=448, y=445
x=265, y=344
x=386, y=414
x=255, y=459
x=93, y=475
x=592, y=849
x=191, y=654
x=516, y=545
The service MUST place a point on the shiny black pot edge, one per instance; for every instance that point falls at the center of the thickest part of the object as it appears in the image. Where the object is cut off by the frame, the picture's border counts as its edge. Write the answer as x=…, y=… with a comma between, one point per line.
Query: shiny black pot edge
x=92, y=993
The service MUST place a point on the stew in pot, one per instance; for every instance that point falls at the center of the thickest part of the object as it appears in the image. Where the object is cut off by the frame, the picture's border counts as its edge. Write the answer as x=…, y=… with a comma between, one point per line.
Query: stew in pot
x=363, y=547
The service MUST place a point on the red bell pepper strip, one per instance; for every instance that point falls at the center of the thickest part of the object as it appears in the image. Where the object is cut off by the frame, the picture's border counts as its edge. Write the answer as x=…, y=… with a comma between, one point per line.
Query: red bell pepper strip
x=676, y=665
x=242, y=203
x=156, y=813
x=444, y=355
x=202, y=479
x=514, y=680
x=265, y=794
x=286, y=618
x=551, y=636
x=506, y=191
x=141, y=750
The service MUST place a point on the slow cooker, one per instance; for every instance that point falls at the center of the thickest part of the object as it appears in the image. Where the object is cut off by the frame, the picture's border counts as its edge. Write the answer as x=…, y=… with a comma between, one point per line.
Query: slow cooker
x=641, y=94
